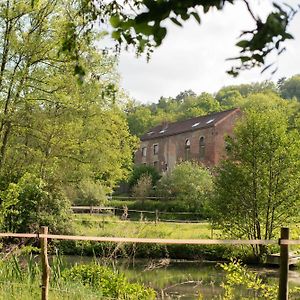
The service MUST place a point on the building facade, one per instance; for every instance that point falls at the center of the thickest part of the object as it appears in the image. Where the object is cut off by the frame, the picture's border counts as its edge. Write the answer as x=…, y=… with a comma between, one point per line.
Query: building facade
x=199, y=139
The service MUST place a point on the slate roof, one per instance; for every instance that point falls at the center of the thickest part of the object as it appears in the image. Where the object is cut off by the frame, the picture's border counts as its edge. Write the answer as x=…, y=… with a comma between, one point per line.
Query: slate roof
x=193, y=124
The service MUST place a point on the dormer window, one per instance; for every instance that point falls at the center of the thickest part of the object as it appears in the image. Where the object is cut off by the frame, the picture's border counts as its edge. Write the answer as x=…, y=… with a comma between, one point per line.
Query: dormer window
x=187, y=149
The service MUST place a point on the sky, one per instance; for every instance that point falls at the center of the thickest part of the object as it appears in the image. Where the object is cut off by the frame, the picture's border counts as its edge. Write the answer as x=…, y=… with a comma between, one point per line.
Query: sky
x=194, y=56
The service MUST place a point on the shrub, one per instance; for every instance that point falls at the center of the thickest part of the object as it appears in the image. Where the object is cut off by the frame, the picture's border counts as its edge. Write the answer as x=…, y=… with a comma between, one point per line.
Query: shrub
x=239, y=276
x=143, y=188
x=89, y=192
x=189, y=183
x=30, y=203
x=111, y=284
x=139, y=171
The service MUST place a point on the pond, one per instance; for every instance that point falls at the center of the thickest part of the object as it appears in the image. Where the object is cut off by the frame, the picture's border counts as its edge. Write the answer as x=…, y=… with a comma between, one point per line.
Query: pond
x=184, y=280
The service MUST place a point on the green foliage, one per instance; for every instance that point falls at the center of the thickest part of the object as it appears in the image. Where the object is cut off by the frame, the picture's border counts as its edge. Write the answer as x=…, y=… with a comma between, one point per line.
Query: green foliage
x=88, y=193
x=31, y=203
x=235, y=95
x=139, y=171
x=110, y=283
x=22, y=277
x=139, y=120
x=290, y=88
x=162, y=205
x=62, y=127
x=143, y=188
x=187, y=104
x=238, y=275
x=188, y=182
x=257, y=187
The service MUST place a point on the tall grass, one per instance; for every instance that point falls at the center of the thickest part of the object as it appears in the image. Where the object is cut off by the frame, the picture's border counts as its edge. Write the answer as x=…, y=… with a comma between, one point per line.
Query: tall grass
x=20, y=278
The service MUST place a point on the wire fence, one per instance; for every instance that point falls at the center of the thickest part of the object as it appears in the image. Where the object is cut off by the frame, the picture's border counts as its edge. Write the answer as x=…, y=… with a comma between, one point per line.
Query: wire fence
x=142, y=215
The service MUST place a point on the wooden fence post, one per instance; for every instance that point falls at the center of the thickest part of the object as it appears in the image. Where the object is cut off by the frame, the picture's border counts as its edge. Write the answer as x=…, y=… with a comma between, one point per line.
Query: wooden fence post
x=283, y=293
x=141, y=217
x=45, y=263
x=156, y=216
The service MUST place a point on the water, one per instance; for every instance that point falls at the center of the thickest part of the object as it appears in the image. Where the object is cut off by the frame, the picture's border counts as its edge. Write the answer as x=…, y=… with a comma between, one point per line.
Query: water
x=177, y=280
x=183, y=279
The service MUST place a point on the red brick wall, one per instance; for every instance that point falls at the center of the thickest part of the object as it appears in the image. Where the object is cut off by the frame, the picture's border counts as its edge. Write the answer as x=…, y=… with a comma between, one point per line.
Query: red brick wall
x=172, y=148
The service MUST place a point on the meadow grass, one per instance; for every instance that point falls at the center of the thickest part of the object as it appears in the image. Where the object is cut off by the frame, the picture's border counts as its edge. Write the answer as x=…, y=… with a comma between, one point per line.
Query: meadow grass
x=97, y=225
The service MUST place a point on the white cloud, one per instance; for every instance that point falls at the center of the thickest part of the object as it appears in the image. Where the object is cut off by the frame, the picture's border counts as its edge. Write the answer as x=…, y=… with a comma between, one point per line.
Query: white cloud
x=194, y=57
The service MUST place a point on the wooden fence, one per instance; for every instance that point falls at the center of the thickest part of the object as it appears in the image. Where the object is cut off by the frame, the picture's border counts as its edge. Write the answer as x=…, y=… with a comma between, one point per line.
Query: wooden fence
x=157, y=215
x=43, y=236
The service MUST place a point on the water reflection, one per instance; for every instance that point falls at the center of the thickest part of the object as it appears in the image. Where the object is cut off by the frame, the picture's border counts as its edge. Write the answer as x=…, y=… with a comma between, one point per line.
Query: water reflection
x=184, y=280
x=178, y=280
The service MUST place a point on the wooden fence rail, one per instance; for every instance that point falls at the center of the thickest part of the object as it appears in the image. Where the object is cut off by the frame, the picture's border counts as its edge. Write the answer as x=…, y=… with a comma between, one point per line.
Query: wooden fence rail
x=43, y=236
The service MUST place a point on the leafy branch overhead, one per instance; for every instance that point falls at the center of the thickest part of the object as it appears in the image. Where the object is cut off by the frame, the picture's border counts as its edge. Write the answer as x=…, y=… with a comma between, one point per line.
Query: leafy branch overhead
x=140, y=23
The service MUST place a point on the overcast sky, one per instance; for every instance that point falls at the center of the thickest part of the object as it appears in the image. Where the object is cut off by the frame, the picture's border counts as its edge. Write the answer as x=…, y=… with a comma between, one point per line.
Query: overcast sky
x=194, y=57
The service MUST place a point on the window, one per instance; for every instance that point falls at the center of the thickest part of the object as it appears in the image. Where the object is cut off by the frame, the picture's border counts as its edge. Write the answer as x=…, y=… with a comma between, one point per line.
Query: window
x=187, y=149
x=155, y=149
x=144, y=151
x=201, y=148
x=155, y=165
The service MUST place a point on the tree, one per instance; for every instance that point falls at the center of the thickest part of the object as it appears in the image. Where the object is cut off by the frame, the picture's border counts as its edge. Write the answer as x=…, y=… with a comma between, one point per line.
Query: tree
x=290, y=88
x=30, y=203
x=187, y=104
x=185, y=94
x=51, y=124
x=140, y=120
x=230, y=98
x=188, y=182
x=247, y=89
x=257, y=187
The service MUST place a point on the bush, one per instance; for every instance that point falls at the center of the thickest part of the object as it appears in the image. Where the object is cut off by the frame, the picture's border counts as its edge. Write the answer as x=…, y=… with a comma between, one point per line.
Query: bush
x=89, y=192
x=111, y=284
x=189, y=183
x=139, y=171
x=31, y=203
x=143, y=188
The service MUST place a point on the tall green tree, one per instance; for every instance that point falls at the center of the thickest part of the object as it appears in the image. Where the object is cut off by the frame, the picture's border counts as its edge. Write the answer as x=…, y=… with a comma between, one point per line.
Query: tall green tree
x=257, y=187
x=55, y=123
x=290, y=88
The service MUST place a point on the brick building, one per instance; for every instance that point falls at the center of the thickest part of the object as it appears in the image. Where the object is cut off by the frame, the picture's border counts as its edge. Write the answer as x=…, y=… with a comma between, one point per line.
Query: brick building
x=200, y=139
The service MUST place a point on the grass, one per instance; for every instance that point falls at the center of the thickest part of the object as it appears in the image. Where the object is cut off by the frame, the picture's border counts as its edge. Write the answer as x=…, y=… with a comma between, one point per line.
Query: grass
x=96, y=225
x=13, y=290
x=20, y=278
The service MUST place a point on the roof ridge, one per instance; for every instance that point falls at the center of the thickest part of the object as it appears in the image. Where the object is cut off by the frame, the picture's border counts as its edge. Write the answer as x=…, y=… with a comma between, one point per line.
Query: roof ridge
x=157, y=132
x=185, y=120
